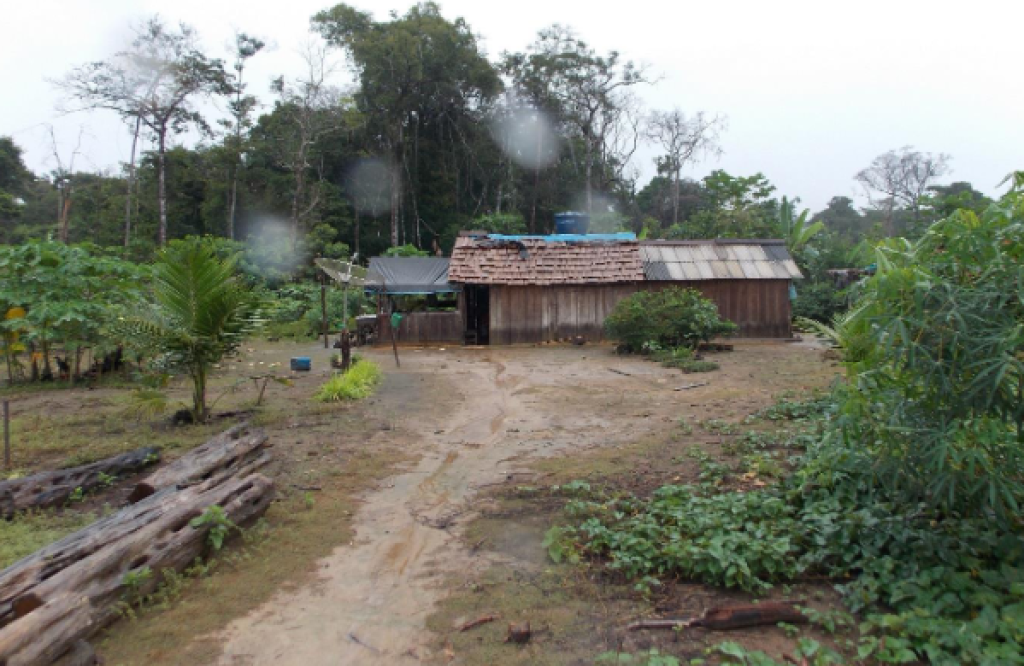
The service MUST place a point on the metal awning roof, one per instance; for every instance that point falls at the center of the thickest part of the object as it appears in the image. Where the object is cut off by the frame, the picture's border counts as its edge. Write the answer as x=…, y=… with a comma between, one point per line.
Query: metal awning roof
x=410, y=275
x=718, y=260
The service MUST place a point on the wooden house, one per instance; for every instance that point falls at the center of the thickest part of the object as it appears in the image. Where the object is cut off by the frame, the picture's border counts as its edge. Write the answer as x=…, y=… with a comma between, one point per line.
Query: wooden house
x=531, y=289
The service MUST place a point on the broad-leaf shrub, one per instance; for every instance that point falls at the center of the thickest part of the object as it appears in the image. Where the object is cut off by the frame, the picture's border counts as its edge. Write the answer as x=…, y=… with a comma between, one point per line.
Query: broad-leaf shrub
x=936, y=398
x=673, y=317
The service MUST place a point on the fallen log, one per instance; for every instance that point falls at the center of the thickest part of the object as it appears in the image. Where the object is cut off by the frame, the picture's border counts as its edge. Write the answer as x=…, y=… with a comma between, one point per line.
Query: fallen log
x=222, y=453
x=49, y=489
x=483, y=619
x=85, y=596
x=20, y=577
x=731, y=617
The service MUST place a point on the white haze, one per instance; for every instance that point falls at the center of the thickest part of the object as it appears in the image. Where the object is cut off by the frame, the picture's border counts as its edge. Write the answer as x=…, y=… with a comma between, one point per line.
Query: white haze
x=813, y=90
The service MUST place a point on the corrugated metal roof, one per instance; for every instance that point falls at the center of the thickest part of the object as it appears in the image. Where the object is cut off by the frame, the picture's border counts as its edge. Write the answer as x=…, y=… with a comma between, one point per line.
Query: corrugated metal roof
x=718, y=260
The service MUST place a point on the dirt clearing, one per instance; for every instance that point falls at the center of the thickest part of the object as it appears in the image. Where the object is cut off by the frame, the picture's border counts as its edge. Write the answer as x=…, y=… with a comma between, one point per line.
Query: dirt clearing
x=492, y=416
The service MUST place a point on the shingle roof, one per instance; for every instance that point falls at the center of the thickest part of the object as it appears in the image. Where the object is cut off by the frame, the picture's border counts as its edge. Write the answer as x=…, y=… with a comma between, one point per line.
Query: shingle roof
x=542, y=261
x=718, y=260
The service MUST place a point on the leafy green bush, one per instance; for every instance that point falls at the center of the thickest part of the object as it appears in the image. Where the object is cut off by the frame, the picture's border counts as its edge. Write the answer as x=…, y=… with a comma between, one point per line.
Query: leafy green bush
x=673, y=317
x=359, y=382
x=819, y=301
x=935, y=354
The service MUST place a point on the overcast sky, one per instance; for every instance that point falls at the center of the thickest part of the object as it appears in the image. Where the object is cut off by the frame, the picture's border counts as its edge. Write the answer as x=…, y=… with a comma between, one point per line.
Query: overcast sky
x=813, y=90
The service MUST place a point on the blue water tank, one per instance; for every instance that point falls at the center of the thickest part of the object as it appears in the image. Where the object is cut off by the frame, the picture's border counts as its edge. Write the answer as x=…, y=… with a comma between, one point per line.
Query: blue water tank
x=301, y=364
x=571, y=223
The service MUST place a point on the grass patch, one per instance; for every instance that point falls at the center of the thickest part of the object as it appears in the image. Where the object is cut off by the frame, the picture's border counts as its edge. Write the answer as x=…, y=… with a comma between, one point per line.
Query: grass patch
x=28, y=532
x=359, y=382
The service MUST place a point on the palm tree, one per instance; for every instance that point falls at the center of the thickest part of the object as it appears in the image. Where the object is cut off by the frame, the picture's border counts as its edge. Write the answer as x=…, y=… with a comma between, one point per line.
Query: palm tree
x=202, y=312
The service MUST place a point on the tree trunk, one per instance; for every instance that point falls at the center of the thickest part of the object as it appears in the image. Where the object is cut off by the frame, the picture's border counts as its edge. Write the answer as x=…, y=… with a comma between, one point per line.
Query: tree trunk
x=675, y=199
x=355, y=234
x=234, y=202
x=395, y=198
x=162, y=184
x=131, y=184
x=236, y=446
x=52, y=615
x=49, y=489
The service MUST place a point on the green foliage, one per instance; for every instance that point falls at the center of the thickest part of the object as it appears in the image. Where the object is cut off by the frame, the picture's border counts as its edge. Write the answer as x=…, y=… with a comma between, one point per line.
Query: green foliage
x=70, y=294
x=358, y=383
x=819, y=301
x=652, y=657
x=504, y=223
x=216, y=521
x=672, y=317
x=201, y=312
x=935, y=352
x=407, y=250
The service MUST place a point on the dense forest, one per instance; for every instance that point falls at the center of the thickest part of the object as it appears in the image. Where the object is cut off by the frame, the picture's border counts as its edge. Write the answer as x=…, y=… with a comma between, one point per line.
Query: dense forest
x=432, y=138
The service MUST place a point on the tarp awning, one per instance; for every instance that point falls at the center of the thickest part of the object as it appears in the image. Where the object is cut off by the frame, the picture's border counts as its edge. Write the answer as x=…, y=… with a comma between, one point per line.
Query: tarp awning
x=410, y=275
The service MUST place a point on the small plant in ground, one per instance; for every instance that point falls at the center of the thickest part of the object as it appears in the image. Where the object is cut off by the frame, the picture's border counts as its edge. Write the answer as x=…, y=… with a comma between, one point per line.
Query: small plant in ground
x=106, y=480
x=77, y=495
x=718, y=426
x=711, y=471
x=652, y=657
x=219, y=525
x=358, y=383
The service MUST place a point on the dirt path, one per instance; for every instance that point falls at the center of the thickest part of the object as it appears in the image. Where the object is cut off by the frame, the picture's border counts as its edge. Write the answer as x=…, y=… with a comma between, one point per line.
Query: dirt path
x=372, y=598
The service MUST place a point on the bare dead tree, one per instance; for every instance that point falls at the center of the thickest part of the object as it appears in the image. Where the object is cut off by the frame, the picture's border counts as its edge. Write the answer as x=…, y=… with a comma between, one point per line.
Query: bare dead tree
x=64, y=183
x=153, y=84
x=901, y=177
x=241, y=106
x=683, y=140
x=314, y=110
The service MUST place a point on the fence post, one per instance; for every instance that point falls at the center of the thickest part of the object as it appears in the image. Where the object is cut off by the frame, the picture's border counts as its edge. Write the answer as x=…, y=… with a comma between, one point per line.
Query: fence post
x=7, y=434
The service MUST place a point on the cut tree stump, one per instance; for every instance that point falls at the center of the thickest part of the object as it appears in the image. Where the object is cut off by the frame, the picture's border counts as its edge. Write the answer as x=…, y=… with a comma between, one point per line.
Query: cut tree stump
x=49, y=489
x=53, y=614
x=222, y=453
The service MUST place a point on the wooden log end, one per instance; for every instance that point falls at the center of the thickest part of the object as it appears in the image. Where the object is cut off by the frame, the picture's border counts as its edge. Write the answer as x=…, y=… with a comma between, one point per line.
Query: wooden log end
x=25, y=604
x=140, y=492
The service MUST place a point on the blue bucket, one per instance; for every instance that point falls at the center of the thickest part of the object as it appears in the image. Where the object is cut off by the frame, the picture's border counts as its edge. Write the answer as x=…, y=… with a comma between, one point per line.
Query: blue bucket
x=302, y=364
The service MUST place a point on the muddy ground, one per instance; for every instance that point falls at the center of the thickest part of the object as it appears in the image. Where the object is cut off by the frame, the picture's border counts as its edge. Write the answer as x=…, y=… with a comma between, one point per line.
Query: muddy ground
x=424, y=507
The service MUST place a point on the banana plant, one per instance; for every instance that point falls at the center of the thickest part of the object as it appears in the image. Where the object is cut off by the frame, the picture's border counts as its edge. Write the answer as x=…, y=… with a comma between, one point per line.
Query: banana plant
x=797, y=229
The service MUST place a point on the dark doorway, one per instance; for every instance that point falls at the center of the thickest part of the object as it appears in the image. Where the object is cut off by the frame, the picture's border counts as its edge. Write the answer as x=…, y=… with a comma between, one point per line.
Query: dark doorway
x=478, y=315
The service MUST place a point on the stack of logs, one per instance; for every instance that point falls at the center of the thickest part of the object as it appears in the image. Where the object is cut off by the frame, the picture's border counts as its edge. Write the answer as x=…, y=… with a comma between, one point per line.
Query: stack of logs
x=57, y=597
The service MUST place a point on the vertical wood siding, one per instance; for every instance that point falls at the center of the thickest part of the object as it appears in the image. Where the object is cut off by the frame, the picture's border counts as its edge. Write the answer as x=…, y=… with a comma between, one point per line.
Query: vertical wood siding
x=530, y=314
x=423, y=327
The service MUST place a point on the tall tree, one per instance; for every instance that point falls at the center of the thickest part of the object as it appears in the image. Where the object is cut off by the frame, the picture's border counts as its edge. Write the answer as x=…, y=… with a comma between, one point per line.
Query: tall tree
x=241, y=107
x=591, y=91
x=155, y=82
x=314, y=110
x=14, y=177
x=421, y=76
x=682, y=140
x=900, y=178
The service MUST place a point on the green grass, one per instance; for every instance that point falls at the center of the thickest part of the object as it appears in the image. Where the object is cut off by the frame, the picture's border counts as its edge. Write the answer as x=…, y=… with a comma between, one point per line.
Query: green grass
x=28, y=532
x=359, y=382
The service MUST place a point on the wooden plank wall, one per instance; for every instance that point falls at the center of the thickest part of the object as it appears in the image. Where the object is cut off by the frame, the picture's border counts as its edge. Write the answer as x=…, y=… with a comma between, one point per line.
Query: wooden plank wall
x=423, y=328
x=761, y=308
x=540, y=314
x=530, y=314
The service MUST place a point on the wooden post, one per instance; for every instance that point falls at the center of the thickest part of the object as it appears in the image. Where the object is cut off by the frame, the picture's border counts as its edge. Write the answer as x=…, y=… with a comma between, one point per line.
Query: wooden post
x=7, y=434
x=394, y=346
x=323, y=311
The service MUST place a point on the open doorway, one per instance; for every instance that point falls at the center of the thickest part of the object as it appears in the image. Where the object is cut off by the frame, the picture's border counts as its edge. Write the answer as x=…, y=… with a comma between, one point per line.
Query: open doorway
x=478, y=314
